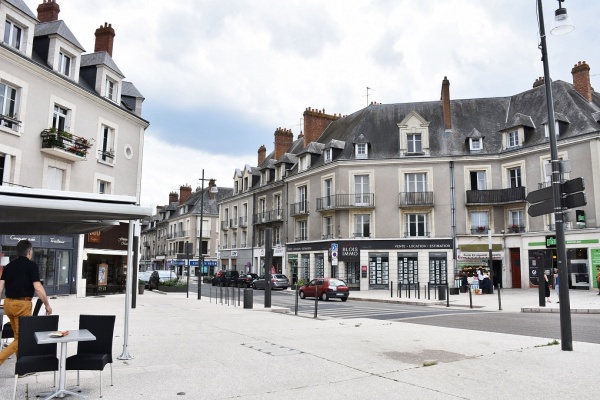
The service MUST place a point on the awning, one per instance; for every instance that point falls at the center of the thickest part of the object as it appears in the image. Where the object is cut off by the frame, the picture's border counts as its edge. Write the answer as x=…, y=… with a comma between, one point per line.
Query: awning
x=47, y=212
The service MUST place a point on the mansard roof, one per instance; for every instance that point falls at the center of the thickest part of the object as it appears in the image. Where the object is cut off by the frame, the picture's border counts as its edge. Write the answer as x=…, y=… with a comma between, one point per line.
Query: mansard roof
x=57, y=28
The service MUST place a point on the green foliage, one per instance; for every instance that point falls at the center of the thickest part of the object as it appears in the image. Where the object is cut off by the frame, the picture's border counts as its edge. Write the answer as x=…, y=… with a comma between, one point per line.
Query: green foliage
x=173, y=282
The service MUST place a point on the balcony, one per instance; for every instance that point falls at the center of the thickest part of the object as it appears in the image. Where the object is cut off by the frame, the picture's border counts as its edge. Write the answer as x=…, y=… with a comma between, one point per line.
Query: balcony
x=10, y=122
x=233, y=222
x=416, y=234
x=225, y=225
x=146, y=244
x=205, y=233
x=515, y=229
x=244, y=222
x=346, y=201
x=416, y=199
x=268, y=216
x=65, y=145
x=328, y=236
x=497, y=196
x=302, y=238
x=300, y=208
x=479, y=230
x=362, y=234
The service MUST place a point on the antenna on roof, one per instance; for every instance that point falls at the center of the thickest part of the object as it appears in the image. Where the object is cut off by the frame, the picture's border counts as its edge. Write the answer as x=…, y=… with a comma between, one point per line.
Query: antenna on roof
x=368, y=88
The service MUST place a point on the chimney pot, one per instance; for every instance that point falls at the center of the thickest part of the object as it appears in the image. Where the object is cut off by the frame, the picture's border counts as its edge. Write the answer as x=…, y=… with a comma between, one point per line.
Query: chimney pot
x=446, y=103
x=105, y=36
x=262, y=154
x=581, y=79
x=48, y=11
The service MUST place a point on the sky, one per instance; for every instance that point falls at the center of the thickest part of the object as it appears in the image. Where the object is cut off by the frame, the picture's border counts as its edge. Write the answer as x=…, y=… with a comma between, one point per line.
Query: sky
x=220, y=76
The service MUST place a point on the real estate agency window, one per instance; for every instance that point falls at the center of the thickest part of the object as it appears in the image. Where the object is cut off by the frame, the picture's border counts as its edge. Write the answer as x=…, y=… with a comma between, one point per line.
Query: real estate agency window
x=438, y=269
x=408, y=268
x=416, y=225
x=64, y=63
x=514, y=177
x=60, y=118
x=319, y=265
x=478, y=180
x=362, y=225
x=13, y=34
x=379, y=268
x=9, y=106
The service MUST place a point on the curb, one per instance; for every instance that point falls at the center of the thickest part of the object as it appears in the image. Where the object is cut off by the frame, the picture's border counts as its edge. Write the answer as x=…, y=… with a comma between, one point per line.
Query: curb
x=557, y=310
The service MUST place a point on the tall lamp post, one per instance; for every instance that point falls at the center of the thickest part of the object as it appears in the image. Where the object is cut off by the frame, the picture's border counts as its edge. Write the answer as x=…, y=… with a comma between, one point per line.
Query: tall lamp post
x=561, y=25
x=200, y=234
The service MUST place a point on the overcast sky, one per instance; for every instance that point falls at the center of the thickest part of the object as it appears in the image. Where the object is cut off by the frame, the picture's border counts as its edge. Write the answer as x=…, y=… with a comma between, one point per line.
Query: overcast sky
x=219, y=76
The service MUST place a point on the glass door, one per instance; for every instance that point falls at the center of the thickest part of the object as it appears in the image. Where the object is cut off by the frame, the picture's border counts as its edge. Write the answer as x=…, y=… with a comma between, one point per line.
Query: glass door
x=63, y=271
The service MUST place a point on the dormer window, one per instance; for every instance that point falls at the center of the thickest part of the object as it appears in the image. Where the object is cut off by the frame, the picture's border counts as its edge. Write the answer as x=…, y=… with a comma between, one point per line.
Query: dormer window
x=547, y=129
x=109, y=89
x=327, y=155
x=475, y=144
x=265, y=177
x=64, y=64
x=13, y=34
x=414, y=143
x=513, y=139
x=361, y=150
x=303, y=163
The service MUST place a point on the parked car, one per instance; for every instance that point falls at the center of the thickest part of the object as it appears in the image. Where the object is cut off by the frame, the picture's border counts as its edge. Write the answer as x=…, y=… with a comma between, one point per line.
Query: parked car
x=225, y=278
x=245, y=280
x=278, y=281
x=328, y=288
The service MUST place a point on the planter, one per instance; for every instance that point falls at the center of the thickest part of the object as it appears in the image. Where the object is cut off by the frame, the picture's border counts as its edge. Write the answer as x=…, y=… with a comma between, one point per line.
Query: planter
x=172, y=289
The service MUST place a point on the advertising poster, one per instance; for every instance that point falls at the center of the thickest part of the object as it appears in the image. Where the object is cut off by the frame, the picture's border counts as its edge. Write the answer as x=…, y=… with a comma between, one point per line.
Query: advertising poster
x=102, y=274
x=595, y=266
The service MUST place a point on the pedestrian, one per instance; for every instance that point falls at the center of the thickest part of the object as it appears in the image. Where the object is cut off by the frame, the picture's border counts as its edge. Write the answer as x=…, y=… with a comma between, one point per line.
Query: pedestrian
x=547, y=288
x=556, y=286
x=21, y=279
x=598, y=278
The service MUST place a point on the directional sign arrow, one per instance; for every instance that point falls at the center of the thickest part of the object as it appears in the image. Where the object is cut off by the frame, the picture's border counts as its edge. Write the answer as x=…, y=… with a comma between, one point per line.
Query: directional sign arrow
x=545, y=207
x=575, y=200
x=539, y=195
x=573, y=186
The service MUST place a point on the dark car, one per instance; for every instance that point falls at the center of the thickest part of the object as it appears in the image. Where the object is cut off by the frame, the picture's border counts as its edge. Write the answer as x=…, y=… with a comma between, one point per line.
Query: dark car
x=225, y=278
x=245, y=280
x=278, y=281
x=328, y=288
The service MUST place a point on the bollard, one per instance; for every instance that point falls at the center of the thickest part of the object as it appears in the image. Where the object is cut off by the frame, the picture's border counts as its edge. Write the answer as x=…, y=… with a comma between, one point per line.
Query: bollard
x=296, y=302
x=316, y=300
x=248, y=298
x=441, y=290
x=221, y=294
x=447, y=295
x=399, y=290
x=238, y=296
x=391, y=289
x=470, y=296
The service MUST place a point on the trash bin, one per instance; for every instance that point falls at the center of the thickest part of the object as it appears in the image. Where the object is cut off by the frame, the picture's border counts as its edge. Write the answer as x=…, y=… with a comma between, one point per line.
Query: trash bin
x=441, y=292
x=248, y=298
x=141, y=287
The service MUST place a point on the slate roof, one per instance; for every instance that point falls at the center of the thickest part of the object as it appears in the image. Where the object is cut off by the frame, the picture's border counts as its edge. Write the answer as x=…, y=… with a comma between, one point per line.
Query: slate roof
x=100, y=58
x=20, y=4
x=128, y=89
x=58, y=28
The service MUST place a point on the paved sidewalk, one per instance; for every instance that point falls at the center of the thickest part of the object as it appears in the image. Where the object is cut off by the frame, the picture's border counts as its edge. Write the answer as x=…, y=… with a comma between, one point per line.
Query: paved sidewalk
x=188, y=348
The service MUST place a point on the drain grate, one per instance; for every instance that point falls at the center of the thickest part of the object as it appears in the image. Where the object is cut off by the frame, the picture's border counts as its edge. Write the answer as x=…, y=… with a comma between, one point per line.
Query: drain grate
x=272, y=349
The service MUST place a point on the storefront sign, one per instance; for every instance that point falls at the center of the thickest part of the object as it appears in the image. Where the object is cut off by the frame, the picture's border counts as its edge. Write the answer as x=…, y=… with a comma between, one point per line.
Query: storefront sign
x=477, y=255
x=550, y=242
x=57, y=241
x=233, y=253
x=292, y=257
x=94, y=237
x=349, y=252
x=12, y=240
x=114, y=238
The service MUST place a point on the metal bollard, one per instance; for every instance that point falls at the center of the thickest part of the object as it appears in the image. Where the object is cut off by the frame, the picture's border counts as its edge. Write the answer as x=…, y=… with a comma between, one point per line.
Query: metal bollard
x=316, y=300
x=248, y=298
x=296, y=305
x=470, y=297
x=391, y=289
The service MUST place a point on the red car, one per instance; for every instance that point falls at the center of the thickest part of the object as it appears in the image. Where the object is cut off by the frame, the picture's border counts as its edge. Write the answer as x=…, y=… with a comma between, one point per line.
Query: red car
x=328, y=288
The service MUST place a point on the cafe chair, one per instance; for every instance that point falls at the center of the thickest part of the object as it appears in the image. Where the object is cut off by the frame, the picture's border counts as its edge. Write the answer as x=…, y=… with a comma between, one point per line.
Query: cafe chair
x=7, y=330
x=34, y=357
x=95, y=354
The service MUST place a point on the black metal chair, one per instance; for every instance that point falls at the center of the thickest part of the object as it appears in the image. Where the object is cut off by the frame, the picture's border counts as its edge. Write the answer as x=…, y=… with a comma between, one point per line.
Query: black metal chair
x=95, y=354
x=34, y=357
x=7, y=330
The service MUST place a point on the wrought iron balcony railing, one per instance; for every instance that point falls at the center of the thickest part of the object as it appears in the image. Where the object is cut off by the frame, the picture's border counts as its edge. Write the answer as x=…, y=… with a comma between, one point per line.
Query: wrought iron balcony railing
x=496, y=196
x=65, y=145
x=300, y=208
x=345, y=201
x=412, y=199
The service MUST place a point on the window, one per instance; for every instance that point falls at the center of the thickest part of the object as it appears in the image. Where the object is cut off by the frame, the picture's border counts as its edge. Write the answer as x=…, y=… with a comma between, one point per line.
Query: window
x=8, y=106
x=361, y=150
x=414, y=143
x=479, y=221
x=244, y=236
x=475, y=144
x=103, y=187
x=361, y=189
x=516, y=221
x=303, y=162
x=55, y=178
x=261, y=237
x=328, y=227
x=276, y=236
x=107, y=149
x=478, y=180
x=416, y=225
x=362, y=224
x=245, y=213
x=277, y=205
x=327, y=193
x=236, y=187
x=234, y=240
x=302, y=206
x=224, y=240
x=513, y=139
x=416, y=182
x=235, y=216
x=301, y=230
x=60, y=118
x=3, y=159
x=64, y=64
x=514, y=177
x=13, y=34
x=327, y=155
x=547, y=129
x=109, y=89
x=262, y=209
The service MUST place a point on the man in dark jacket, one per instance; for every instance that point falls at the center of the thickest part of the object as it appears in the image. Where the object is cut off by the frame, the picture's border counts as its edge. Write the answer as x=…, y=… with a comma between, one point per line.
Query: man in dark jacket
x=21, y=278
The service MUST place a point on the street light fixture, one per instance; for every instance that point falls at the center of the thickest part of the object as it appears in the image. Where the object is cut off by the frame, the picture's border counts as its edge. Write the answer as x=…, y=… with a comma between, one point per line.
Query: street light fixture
x=213, y=189
x=562, y=24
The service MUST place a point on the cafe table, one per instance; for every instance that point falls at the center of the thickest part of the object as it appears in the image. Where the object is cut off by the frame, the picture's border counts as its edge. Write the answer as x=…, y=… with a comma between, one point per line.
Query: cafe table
x=79, y=335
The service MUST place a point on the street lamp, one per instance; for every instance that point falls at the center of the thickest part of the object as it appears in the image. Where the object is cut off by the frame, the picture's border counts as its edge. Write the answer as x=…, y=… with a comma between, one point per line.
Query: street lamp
x=561, y=25
x=213, y=189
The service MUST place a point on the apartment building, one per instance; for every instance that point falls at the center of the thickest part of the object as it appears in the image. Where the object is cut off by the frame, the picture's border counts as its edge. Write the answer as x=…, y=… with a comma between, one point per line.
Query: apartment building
x=407, y=192
x=69, y=121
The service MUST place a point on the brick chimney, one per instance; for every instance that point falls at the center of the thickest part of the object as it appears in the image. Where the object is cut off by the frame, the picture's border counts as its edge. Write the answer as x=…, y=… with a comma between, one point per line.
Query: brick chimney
x=262, y=154
x=283, y=140
x=446, y=103
x=315, y=123
x=105, y=36
x=173, y=197
x=581, y=79
x=538, y=82
x=185, y=192
x=211, y=184
x=48, y=11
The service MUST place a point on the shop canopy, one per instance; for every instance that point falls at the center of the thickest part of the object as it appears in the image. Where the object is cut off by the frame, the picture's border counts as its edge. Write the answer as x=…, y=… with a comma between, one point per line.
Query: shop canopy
x=29, y=211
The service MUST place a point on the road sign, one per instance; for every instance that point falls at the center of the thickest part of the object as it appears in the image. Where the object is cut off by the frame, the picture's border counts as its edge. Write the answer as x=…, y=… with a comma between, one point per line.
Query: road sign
x=575, y=200
x=545, y=207
x=573, y=186
x=539, y=195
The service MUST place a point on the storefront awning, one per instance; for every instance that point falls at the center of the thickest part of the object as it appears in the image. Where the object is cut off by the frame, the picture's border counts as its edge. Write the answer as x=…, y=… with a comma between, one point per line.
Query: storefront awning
x=52, y=212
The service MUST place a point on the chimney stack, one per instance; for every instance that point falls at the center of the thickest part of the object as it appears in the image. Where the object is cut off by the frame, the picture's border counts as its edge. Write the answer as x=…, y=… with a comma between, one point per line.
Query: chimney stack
x=173, y=197
x=262, y=154
x=315, y=123
x=48, y=11
x=538, y=82
x=581, y=79
x=283, y=140
x=105, y=36
x=446, y=104
x=185, y=192
x=211, y=184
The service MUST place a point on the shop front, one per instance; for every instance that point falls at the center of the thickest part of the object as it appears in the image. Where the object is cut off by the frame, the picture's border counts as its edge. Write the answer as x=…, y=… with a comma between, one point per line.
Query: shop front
x=105, y=261
x=237, y=260
x=55, y=257
x=277, y=266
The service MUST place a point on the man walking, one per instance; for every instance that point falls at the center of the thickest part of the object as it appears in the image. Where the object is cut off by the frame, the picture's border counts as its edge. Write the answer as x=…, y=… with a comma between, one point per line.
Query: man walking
x=21, y=277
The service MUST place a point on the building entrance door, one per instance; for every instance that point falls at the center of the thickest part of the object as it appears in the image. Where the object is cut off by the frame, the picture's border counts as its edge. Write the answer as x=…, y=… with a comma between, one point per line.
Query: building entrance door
x=55, y=270
x=515, y=267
